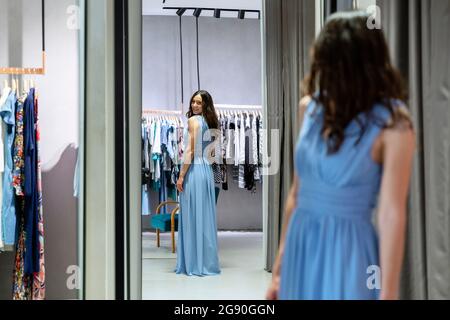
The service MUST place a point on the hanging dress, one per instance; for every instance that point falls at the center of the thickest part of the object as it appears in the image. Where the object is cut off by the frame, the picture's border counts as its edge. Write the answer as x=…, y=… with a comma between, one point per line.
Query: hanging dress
x=9, y=220
x=331, y=245
x=22, y=283
x=197, y=253
x=29, y=272
x=39, y=277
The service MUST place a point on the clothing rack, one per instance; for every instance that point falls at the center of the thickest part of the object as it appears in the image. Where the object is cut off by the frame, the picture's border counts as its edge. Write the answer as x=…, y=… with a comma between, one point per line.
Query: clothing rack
x=236, y=107
x=217, y=106
x=164, y=112
x=36, y=71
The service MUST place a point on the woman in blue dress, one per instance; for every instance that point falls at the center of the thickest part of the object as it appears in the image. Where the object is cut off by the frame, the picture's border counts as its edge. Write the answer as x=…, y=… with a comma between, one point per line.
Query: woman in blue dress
x=197, y=253
x=354, y=154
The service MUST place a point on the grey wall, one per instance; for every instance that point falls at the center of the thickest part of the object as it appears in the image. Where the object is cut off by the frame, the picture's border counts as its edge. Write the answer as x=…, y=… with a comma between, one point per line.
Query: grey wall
x=20, y=38
x=230, y=69
x=230, y=60
x=239, y=209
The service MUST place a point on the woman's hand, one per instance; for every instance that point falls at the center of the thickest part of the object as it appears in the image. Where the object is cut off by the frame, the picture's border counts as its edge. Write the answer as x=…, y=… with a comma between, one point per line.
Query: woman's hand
x=272, y=292
x=180, y=184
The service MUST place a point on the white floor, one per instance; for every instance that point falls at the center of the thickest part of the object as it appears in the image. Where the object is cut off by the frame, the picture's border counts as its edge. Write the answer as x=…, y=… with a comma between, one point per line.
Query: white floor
x=241, y=258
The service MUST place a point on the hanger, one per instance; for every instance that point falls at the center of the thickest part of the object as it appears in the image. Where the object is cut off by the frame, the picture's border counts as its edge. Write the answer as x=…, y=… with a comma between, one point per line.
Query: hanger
x=26, y=85
x=13, y=86
x=18, y=87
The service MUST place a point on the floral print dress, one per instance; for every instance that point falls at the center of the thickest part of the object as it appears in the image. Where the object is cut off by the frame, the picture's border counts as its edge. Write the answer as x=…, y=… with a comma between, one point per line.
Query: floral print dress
x=27, y=286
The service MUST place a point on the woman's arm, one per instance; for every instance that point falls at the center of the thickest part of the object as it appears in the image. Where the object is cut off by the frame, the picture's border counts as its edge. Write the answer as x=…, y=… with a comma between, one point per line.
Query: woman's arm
x=398, y=147
x=188, y=157
x=291, y=203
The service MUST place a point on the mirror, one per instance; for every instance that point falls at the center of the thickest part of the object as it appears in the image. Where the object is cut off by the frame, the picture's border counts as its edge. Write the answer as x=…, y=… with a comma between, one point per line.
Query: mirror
x=212, y=232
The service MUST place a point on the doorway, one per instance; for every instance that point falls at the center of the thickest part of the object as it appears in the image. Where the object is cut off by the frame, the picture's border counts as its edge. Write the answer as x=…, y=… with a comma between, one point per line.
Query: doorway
x=217, y=49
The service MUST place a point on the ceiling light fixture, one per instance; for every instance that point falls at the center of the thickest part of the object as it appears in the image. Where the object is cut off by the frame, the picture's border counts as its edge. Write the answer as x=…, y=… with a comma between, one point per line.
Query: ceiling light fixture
x=180, y=12
x=197, y=12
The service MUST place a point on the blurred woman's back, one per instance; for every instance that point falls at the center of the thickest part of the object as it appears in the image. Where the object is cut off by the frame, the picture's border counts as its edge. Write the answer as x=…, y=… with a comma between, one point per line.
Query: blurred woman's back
x=354, y=99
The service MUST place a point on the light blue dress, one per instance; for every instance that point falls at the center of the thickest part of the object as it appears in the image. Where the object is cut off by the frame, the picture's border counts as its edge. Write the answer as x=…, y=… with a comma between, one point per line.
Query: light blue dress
x=9, y=220
x=331, y=248
x=197, y=253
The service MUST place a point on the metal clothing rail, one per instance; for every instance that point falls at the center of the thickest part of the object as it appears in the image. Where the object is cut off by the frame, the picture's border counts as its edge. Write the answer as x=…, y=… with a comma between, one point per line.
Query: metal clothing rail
x=163, y=112
x=236, y=107
x=37, y=71
x=216, y=106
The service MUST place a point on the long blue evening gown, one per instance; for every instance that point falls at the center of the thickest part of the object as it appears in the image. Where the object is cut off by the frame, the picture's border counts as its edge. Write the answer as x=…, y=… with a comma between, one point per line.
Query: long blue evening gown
x=331, y=248
x=197, y=253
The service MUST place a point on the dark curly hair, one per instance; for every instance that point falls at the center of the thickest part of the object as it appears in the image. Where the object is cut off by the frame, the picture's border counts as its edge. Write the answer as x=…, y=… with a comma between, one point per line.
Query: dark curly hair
x=209, y=112
x=351, y=71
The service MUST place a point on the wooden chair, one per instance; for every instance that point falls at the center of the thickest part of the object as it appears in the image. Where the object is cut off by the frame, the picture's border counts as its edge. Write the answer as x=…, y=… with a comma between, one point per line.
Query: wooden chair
x=166, y=222
x=169, y=222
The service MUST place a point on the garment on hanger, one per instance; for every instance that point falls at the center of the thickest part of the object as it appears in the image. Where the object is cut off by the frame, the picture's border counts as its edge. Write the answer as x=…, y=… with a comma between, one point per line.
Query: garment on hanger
x=260, y=140
x=237, y=143
x=31, y=200
x=171, y=141
x=254, y=159
x=29, y=267
x=242, y=140
x=4, y=96
x=39, y=276
x=239, y=146
x=145, y=175
x=9, y=221
x=156, y=143
x=161, y=159
x=18, y=156
x=241, y=181
x=230, y=140
x=223, y=137
x=180, y=144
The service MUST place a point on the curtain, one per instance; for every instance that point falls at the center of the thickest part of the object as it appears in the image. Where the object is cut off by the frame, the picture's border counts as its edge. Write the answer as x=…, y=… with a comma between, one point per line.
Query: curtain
x=289, y=32
x=417, y=32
